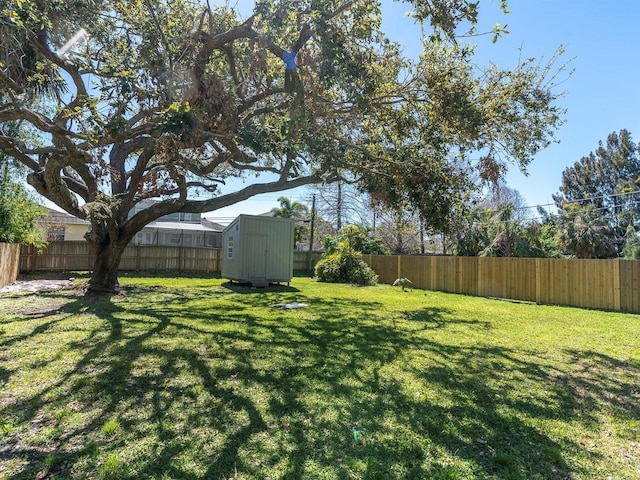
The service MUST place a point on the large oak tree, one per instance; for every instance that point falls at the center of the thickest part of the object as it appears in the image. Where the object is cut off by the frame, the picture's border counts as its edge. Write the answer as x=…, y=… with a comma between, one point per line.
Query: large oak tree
x=169, y=99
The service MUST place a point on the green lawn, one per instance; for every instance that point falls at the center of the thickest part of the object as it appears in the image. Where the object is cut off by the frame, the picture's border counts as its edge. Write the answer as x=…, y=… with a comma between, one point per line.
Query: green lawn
x=189, y=378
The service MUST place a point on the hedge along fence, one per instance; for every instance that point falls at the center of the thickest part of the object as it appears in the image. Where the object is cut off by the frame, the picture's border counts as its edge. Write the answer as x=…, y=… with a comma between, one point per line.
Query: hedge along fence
x=9, y=263
x=603, y=284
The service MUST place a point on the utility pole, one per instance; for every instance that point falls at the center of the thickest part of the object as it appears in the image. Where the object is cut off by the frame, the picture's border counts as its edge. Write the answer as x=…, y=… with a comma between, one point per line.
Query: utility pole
x=339, y=205
x=313, y=222
x=373, y=207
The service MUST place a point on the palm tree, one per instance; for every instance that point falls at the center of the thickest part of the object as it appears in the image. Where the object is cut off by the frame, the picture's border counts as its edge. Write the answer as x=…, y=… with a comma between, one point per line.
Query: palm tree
x=289, y=209
x=296, y=210
x=586, y=233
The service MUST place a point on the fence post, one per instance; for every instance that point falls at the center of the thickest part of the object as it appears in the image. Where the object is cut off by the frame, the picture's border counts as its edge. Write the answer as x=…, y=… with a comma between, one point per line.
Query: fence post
x=616, y=285
x=33, y=259
x=9, y=263
x=480, y=281
x=538, y=280
x=434, y=273
x=399, y=270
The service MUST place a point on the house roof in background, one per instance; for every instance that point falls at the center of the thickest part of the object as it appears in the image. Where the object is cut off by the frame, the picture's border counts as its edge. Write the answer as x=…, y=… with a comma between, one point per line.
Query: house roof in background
x=192, y=227
x=55, y=216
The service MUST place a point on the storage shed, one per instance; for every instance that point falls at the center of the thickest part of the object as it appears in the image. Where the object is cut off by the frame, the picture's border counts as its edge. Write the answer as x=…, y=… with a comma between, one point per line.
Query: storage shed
x=258, y=250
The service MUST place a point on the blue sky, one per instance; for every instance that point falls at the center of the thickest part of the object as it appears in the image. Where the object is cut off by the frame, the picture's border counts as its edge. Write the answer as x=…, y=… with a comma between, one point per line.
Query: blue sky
x=600, y=38
x=600, y=97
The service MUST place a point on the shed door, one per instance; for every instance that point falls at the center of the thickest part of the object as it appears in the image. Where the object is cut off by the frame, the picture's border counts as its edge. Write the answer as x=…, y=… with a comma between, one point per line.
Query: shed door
x=257, y=267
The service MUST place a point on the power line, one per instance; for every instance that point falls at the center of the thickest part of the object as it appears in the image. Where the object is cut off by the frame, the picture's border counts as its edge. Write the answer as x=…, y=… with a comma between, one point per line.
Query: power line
x=265, y=198
x=578, y=200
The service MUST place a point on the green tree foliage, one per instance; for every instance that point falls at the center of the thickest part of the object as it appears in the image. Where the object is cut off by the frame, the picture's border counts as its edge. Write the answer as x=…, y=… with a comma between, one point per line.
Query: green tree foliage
x=289, y=209
x=604, y=183
x=472, y=232
x=631, y=250
x=497, y=233
x=357, y=238
x=584, y=232
x=508, y=236
x=499, y=225
x=543, y=235
x=18, y=211
x=431, y=164
x=169, y=99
x=295, y=210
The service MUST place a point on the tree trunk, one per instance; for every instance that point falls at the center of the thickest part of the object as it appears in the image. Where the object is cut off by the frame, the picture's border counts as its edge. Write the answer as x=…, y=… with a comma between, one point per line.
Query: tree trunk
x=399, y=243
x=104, y=279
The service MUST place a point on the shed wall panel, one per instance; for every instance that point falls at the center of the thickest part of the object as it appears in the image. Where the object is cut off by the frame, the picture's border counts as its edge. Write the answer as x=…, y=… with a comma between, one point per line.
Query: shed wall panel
x=262, y=249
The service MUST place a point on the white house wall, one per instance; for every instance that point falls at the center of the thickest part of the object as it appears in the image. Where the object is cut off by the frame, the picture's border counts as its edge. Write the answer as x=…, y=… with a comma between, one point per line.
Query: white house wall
x=75, y=232
x=154, y=236
x=59, y=226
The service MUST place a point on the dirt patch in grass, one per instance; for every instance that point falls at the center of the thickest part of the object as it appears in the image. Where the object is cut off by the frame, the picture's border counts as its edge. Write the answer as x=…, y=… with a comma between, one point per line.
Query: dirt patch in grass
x=40, y=284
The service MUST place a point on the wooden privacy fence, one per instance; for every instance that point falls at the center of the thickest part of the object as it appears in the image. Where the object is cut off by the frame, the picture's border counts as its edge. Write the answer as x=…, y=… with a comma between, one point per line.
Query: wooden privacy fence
x=9, y=263
x=73, y=256
x=603, y=284
x=301, y=259
x=77, y=256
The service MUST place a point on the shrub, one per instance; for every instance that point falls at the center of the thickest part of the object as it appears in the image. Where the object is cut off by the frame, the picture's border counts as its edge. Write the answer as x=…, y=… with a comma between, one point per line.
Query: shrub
x=18, y=213
x=357, y=238
x=345, y=265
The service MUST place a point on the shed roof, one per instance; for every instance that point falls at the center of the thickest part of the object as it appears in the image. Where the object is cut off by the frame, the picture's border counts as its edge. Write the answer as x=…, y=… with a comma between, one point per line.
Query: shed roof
x=257, y=217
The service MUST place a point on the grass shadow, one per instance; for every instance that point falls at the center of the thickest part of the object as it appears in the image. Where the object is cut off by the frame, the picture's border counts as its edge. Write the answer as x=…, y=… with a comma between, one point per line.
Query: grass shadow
x=208, y=382
x=432, y=318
